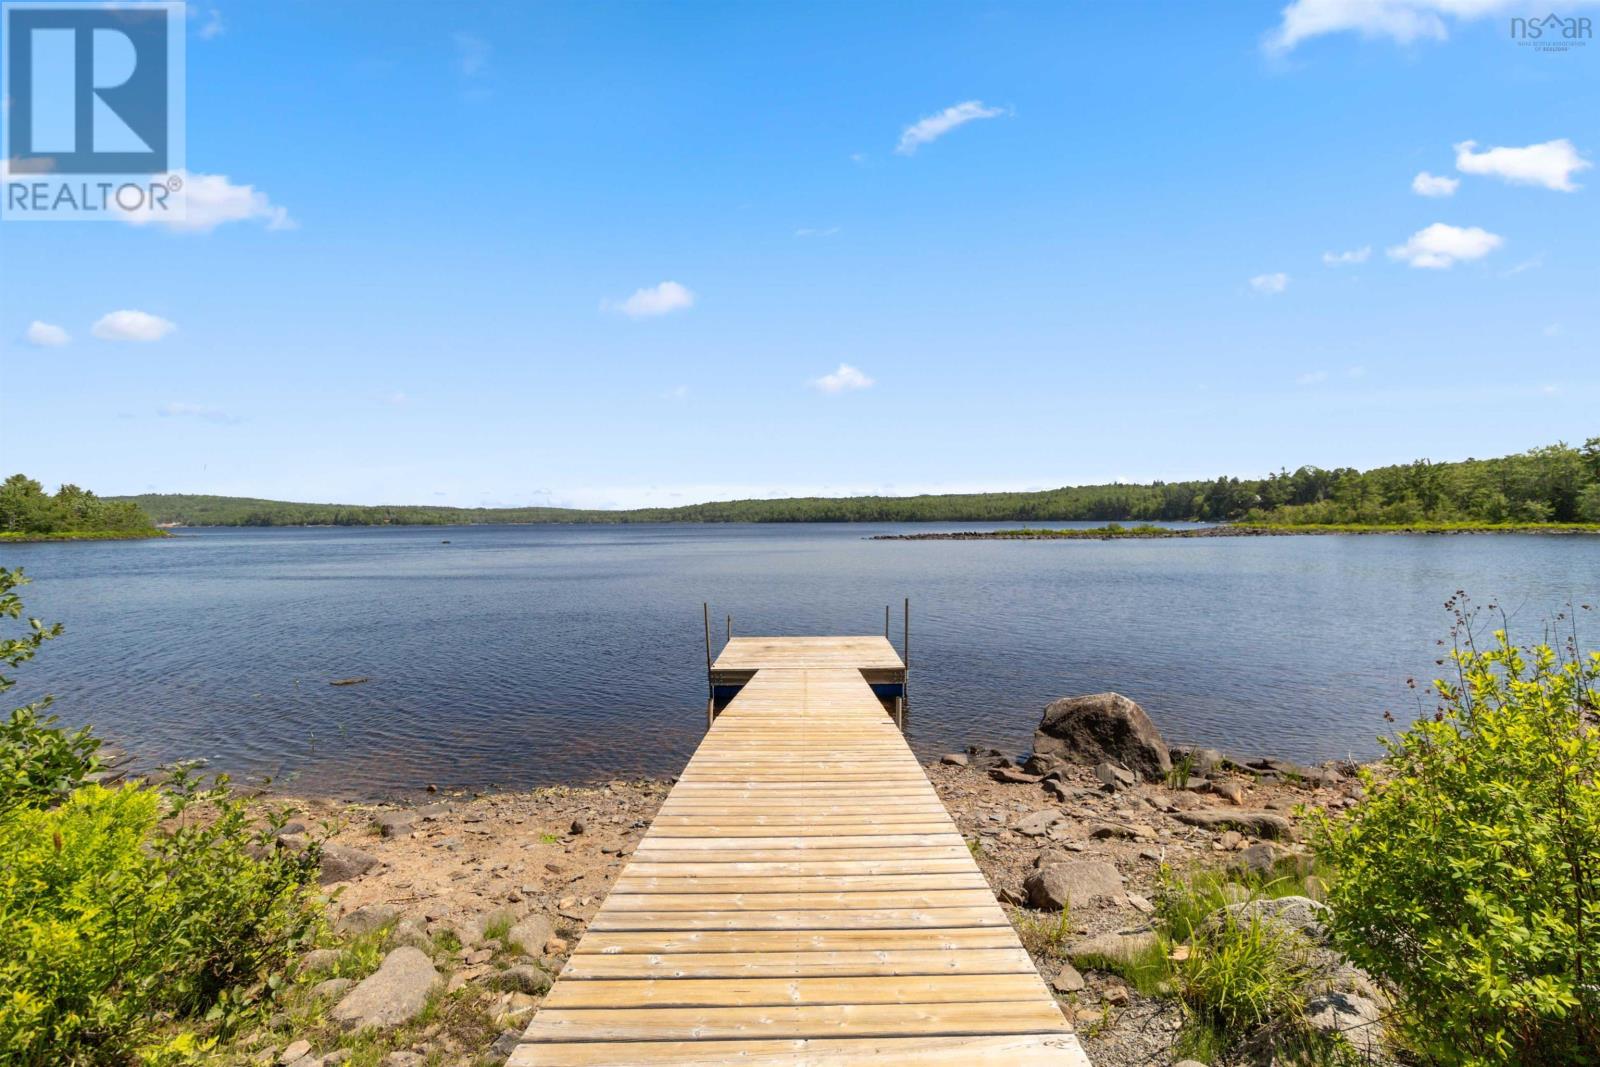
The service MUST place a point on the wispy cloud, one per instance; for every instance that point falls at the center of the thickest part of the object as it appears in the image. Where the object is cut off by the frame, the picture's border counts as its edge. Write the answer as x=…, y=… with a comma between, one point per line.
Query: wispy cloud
x=1314, y=377
x=472, y=54
x=212, y=200
x=1425, y=184
x=396, y=399
x=1528, y=264
x=178, y=409
x=128, y=325
x=845, y=379
x=1402, y=21
x=46, y=335
x=930, y=129
x=1270, y=284
x=655, y=300
x=676, y=393
x=1345, y=259
x=814, y=231
x=1551, y=164
x=1440, y=246
x=212, y=27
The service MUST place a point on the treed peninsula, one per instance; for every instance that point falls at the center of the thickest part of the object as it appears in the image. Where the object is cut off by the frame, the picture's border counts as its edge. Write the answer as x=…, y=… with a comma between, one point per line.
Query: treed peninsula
x=1551, y=488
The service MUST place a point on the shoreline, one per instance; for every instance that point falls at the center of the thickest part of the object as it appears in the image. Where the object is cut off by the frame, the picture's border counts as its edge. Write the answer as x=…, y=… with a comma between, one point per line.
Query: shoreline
x=9, y=538
x=1117, y=532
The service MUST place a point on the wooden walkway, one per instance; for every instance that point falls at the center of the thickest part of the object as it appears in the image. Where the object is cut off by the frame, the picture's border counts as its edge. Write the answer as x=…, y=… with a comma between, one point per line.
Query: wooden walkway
x=801, y=898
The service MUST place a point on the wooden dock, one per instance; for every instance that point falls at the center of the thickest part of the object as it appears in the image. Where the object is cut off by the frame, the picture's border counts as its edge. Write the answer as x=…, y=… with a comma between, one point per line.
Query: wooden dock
x=801, y=898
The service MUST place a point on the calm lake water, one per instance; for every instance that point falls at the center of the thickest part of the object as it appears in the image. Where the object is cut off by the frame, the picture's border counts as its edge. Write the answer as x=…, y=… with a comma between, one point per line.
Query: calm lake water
x=524, y=655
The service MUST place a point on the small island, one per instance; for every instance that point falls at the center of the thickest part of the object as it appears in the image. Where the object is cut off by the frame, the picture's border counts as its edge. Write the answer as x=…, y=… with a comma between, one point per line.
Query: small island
x=28, y=513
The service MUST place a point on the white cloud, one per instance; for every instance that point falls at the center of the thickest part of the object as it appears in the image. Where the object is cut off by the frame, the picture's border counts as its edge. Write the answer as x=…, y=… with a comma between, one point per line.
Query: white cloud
x=46, y=335
x=1344, y=259
x=844, y=379
x=132, y=326
x=1528, y=264
x=1425, y=184
x=1440, y=246
x=212, y=200
x=1315, y=377
x=813, y=231
x=1551, y=164
x=1403, y=21
x=657, y=300
x=1271, y=284
x=177, y=409
x=930, y=129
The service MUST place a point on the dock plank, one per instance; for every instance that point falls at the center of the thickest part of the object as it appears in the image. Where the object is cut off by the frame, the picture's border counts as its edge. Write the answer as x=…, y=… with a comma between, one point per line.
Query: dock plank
x=802, y=897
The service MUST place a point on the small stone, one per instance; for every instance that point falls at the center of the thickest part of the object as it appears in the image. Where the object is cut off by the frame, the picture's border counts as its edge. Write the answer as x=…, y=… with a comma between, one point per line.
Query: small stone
x=1087, y=1016
x=336, y=1057
x=1230, y=840
x=1117, y=948
x=953, y=759
x=555, y=946
x=340, y=863
x=392, y=995
x=1038, y=823
x=332, y=988
x=506, y=1043
x=1141, y=903
x=1074, y=883
x=1189, y=1063
x=1115, y=994
x=404, y=1059
x=531, y=933
x=1015, y=776
x=365, y=920
x=1067, y=980
x=522, y=978
x=1232, y=792
x=320, y=959
x=395, y=823
x=295, y=1050
x=577, y=827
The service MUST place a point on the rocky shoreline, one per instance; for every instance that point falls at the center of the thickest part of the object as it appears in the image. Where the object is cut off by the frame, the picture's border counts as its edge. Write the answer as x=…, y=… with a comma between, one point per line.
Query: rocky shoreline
x=475, y=901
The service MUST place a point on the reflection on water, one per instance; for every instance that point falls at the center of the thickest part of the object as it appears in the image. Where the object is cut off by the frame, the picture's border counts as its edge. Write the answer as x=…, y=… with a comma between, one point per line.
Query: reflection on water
x=515, y=656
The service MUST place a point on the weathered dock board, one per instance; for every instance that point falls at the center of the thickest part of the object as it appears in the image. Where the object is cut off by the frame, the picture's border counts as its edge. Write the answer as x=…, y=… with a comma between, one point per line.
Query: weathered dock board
x=802, y=897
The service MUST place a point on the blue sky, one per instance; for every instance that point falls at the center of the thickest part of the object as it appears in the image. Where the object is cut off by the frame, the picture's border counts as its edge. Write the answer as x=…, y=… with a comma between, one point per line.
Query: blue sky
x=909, y=248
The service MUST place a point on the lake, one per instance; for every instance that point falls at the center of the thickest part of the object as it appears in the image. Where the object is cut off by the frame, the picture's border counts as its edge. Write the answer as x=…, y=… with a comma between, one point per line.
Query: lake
x=516, y=656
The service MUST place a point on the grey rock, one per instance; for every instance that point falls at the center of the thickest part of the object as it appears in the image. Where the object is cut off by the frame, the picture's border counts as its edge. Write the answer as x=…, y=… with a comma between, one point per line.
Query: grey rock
x=340, y=863
x=1259, y=858
x=1073, y=883
x=336, y=1057
x=1188, y=1063
x=505, y=1044
x=1256, y=823
x=308, y=1060
x=1100, y=728
x=404, y=1059
x=577, y=827
x=1038, y=823
x=1231, y=791
x=365, y=920
x=531, y=933
x=395, y=823
x=409, y=932
x=295, y=1050
x=1358, y=1019
x=1043, y=763
x=394, y=994
x=332, y=988
x=320, y=959
x=1015, y=776
x=522, y=978
x=1113, y=777
x=1067, y=980
x=1300, y=914
x=953, y=759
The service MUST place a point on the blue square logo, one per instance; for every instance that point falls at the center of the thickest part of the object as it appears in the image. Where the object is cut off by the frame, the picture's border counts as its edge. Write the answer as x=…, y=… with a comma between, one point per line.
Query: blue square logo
x=94, y=126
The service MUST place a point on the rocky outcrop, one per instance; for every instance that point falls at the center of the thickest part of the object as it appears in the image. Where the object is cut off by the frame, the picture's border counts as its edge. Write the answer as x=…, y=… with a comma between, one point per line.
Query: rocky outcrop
x=1104, y=727
x=1256, y=823
x=393, y=994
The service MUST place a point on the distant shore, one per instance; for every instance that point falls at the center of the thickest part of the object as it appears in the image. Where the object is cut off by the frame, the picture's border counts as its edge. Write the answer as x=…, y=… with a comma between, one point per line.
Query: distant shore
x=7, y=537
x=1115, y=531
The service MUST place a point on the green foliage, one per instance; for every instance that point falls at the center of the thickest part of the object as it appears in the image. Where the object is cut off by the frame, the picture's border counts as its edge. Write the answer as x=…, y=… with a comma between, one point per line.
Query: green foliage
x=1470, y=875
x=39, y=763
x=1044, y=933
x=1557, y=483
x=123, y=910
x=111, y=925
x=1245, y=975
x=26, y=509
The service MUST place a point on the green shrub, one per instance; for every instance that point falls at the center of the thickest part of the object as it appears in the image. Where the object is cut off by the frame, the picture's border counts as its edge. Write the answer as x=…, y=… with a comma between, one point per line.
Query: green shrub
x=131, y=919
x=1470, y=875
x=1245, y=974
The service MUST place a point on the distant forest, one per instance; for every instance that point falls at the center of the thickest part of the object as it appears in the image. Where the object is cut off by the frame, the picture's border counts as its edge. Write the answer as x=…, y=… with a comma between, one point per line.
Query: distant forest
x=1557, y=483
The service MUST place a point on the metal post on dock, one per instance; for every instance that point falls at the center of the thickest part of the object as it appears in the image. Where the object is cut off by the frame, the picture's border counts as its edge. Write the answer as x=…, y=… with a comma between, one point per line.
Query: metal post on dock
x=711, y=690
x=905, y=656
x=730, y=627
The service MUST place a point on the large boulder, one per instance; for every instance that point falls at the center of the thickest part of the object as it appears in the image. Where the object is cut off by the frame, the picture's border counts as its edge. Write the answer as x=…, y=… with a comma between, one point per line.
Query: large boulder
x=1100, y=728
x=1072, y=884
x=393, y=994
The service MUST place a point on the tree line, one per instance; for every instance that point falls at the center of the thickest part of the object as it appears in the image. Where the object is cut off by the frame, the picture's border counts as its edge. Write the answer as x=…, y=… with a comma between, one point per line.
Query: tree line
x=1554, y=483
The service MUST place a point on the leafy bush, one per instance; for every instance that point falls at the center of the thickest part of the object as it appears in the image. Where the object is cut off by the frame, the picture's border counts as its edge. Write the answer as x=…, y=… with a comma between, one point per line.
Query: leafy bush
x=124, y=911
x=1470, y=875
